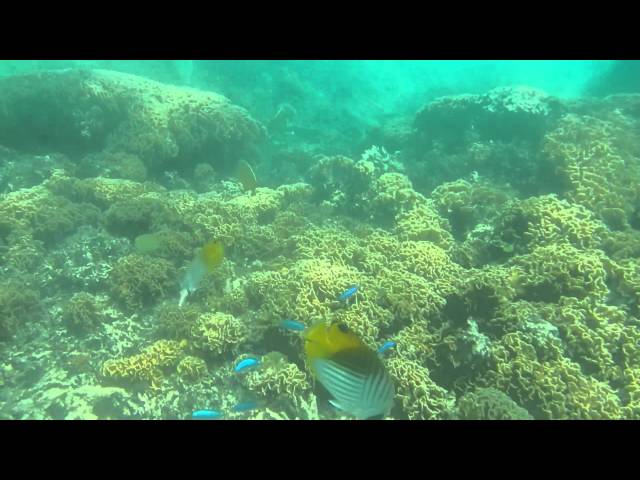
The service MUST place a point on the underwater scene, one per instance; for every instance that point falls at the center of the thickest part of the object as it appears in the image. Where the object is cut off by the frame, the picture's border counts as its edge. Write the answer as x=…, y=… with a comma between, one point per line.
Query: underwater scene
x=267, y=240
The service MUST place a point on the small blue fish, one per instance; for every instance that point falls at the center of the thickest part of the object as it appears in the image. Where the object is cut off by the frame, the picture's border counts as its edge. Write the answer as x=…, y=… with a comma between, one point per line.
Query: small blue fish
x=245, y=406
x=348, y=294
x=386, y=346
x=292, y=325
x=246, y=363
x=206, y=414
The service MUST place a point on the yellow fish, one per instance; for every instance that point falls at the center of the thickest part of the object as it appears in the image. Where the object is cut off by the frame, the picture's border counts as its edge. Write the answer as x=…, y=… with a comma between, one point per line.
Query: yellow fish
x=351, y=372
x=207, y=259
x=212, y=255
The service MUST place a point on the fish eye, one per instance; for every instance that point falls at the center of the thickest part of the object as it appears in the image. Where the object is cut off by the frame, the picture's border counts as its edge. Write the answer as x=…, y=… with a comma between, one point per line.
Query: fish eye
x=343, y=328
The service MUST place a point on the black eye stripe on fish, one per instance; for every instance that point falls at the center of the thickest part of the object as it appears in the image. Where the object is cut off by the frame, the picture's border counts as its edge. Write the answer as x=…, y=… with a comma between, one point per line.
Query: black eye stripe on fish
x=349, y=370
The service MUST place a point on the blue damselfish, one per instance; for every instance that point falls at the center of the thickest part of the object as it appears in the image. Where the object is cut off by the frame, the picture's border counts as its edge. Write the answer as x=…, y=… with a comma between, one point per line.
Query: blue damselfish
x=206, y=414
x=348, y=294
x=292, y=325
x=386, y=346
x=246, y=363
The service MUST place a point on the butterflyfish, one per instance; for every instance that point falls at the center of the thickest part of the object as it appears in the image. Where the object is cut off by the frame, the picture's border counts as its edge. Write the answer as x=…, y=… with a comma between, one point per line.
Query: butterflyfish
x=349, y=370
x=205, y=260
x=246, y=176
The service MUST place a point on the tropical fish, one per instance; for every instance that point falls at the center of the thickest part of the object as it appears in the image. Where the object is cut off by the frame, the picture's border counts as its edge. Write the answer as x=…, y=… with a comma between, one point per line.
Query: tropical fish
x=349, y=370
x=207, y=258
x=386, y=346
x=246, y=363
x=347, y=294
x=206, y=414
x=292, y=325
x=246, y=176
x=245, y=406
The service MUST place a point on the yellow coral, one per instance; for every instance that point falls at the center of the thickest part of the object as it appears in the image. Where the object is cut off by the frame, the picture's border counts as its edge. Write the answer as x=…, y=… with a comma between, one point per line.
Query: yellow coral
x=534, y=372
x=551, y=220
x=422, y=222
x=192, y=368
x=276, y=377
x=146, y=366
x=600, y=170
x=218, y=332
x=561, y=269
x=407, y=295
x=419, y=397
x=428, y=261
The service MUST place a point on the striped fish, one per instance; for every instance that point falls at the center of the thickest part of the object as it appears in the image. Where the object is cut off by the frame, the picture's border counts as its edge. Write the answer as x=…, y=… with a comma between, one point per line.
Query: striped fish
x=364, y=390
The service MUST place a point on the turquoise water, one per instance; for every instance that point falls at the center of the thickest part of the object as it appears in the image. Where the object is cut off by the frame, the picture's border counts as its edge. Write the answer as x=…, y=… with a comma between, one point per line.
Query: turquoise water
x=422, y=240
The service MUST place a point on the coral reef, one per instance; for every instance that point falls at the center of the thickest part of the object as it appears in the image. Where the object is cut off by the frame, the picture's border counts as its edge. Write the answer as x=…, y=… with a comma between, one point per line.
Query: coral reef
x=218, y=333
x=92, y=110
x=490, y=404
x=82, y=313
x=192, y=368
x=277, y=380
x=418, y=396
x=495, y=241
x=146, y=366
x=137, y=280
x=18, y=304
